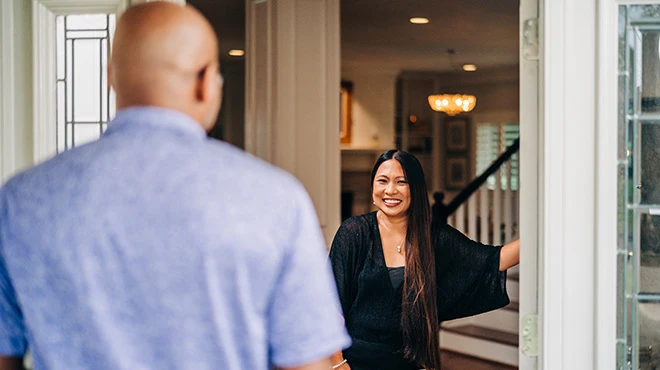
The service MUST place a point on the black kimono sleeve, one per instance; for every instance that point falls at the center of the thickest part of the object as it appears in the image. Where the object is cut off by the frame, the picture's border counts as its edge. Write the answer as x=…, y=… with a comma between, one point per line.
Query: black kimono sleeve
x=468, y=277
x=342, y=259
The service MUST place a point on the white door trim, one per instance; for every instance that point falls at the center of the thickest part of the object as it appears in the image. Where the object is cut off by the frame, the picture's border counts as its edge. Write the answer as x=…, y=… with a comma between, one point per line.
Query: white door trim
x=44, y=58
x=567, y=258
x=531, y=124
x=606, y=186
x=7, y=106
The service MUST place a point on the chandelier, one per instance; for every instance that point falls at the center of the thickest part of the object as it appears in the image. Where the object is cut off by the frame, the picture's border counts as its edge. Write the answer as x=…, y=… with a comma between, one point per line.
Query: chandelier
x=452, y=104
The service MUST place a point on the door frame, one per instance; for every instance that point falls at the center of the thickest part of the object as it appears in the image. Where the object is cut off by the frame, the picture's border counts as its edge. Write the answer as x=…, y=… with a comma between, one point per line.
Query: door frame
x=578, y=260
x=530, y=184
x=44, y=13
x=567, y=255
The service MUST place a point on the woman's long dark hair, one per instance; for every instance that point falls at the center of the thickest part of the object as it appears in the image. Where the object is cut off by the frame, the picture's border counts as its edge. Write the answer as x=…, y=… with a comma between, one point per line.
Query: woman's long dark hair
x=419, y=313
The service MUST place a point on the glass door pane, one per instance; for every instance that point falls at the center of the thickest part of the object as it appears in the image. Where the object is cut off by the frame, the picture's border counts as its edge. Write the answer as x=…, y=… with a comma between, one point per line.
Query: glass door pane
x=639, y=188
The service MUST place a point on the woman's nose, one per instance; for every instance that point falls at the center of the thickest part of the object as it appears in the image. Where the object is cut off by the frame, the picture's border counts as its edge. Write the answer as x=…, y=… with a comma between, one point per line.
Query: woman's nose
x=390, y=189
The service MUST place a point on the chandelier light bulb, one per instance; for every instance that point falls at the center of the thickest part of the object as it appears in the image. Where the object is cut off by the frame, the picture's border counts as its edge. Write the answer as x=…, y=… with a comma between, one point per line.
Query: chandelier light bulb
x=452, y=104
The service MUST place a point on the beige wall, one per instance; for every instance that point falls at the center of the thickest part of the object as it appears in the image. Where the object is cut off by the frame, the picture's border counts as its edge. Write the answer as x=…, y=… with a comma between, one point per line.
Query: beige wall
x=373, y=107
x=497, y=93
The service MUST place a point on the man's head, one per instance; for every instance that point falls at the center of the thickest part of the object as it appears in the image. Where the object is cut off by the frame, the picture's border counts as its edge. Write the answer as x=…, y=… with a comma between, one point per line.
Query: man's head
x=166, y=55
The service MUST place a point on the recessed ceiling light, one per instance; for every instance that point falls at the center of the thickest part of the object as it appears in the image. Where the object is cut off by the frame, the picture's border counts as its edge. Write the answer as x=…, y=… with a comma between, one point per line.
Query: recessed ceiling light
x=419, y=20
x=469, y=67
x=236, y=52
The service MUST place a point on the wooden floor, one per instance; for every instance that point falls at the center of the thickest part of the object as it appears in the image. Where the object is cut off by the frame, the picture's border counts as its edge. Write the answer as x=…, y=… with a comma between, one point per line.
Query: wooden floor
x=457, y=361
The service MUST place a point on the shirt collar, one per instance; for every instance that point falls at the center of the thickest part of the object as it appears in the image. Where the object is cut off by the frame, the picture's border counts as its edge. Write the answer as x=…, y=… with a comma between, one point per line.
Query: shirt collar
x=158, y=119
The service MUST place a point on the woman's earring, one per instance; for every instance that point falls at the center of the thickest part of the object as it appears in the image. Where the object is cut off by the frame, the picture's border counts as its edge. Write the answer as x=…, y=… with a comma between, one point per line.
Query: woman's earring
x=374, y=202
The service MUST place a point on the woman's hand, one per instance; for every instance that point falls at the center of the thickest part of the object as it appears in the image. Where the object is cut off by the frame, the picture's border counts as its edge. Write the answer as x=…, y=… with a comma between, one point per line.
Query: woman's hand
x=510, y=255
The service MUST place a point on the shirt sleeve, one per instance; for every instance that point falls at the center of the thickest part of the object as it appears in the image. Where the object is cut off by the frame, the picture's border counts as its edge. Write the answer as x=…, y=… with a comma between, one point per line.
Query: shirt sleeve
x=13, y=340
x=342, y=262
x=468, y=277
x=304, y=321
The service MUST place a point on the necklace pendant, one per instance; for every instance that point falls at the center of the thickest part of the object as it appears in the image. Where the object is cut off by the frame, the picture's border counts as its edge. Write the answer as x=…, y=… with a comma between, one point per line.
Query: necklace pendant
x=398, y=249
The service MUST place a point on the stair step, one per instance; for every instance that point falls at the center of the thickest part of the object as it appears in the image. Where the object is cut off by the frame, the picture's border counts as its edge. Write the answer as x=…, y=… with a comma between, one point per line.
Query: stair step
x=513, y=288
x=454, y=360
x=484, y=333
x=513, y=306
x=476, y=346
x=513, y=275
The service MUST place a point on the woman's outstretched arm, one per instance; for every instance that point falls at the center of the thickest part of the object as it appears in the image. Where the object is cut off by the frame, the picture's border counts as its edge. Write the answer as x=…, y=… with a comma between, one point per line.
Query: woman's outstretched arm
x=510, y=255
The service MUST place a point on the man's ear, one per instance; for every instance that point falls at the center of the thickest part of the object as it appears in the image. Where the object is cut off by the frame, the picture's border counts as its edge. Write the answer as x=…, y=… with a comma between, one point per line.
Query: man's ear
x=206, y=83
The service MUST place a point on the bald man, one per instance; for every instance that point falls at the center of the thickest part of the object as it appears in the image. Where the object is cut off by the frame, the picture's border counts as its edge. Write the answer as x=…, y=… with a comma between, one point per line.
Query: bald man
x=156, y=247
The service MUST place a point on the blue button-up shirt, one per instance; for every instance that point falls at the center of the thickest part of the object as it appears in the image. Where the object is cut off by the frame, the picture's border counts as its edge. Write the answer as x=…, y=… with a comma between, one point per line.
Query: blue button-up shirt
x=158, y=248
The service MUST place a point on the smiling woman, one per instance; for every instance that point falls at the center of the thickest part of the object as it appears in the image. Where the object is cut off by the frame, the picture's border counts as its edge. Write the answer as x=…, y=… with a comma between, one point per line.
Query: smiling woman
x=398, y=276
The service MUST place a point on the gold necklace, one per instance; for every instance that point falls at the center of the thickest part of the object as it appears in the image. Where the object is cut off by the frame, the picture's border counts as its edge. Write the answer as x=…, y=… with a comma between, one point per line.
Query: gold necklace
x=398, y=247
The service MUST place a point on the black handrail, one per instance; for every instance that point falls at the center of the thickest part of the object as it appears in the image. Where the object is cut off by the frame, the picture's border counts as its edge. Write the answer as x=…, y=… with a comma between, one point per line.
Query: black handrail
x=441, y=212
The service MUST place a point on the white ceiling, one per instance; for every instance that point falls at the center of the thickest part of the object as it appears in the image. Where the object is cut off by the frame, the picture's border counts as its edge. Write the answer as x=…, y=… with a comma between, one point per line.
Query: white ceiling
x=377, y=34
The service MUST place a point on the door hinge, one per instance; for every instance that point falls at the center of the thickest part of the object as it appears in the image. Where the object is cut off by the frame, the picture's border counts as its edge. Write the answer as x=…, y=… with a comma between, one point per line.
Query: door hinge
x=530, y=336
x=530, y=39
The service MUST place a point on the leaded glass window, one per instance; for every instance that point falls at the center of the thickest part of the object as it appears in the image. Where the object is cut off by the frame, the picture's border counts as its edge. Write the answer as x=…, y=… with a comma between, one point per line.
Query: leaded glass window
x=493, y=140
x=638, y=329
x=85, y=102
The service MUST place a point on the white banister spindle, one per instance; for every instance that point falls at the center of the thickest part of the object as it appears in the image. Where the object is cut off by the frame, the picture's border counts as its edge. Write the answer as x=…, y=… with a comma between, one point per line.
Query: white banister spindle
x=483, y=215
x=508, y=206
x=460, y=218
x=472, y=217
x=497, y=211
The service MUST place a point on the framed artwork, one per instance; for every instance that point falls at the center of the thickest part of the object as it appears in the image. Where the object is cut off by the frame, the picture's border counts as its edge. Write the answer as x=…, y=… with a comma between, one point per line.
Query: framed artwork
x=345, y=114
x=457, y=135
x=457, y=173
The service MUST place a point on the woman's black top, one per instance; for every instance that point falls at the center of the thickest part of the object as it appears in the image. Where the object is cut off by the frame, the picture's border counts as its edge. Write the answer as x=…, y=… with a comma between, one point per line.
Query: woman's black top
x=468, y=282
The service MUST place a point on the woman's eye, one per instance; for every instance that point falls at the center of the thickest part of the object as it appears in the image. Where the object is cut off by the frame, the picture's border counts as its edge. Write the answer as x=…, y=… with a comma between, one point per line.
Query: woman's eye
x=403, y=182
x=382, y=181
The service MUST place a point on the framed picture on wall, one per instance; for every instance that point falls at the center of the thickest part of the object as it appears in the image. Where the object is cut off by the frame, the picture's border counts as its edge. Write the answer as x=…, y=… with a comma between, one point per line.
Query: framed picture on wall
x=457, y=135
x=345, y=114
x=457, y=173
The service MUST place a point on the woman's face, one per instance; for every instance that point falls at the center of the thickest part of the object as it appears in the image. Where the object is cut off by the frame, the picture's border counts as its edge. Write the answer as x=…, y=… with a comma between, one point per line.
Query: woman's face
x=391, y=192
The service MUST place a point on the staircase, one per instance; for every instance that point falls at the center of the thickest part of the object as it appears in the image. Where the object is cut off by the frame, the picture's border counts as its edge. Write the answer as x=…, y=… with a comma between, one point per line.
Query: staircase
x=491, y=336
x=490, y=216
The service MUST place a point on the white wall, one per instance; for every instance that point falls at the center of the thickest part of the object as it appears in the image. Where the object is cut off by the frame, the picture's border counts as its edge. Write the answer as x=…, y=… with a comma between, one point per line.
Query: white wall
x=373, y=107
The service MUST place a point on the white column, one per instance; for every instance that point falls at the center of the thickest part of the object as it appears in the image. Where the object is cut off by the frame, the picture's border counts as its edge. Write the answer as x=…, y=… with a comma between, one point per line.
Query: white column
x=292, y=95
x=567, y=255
